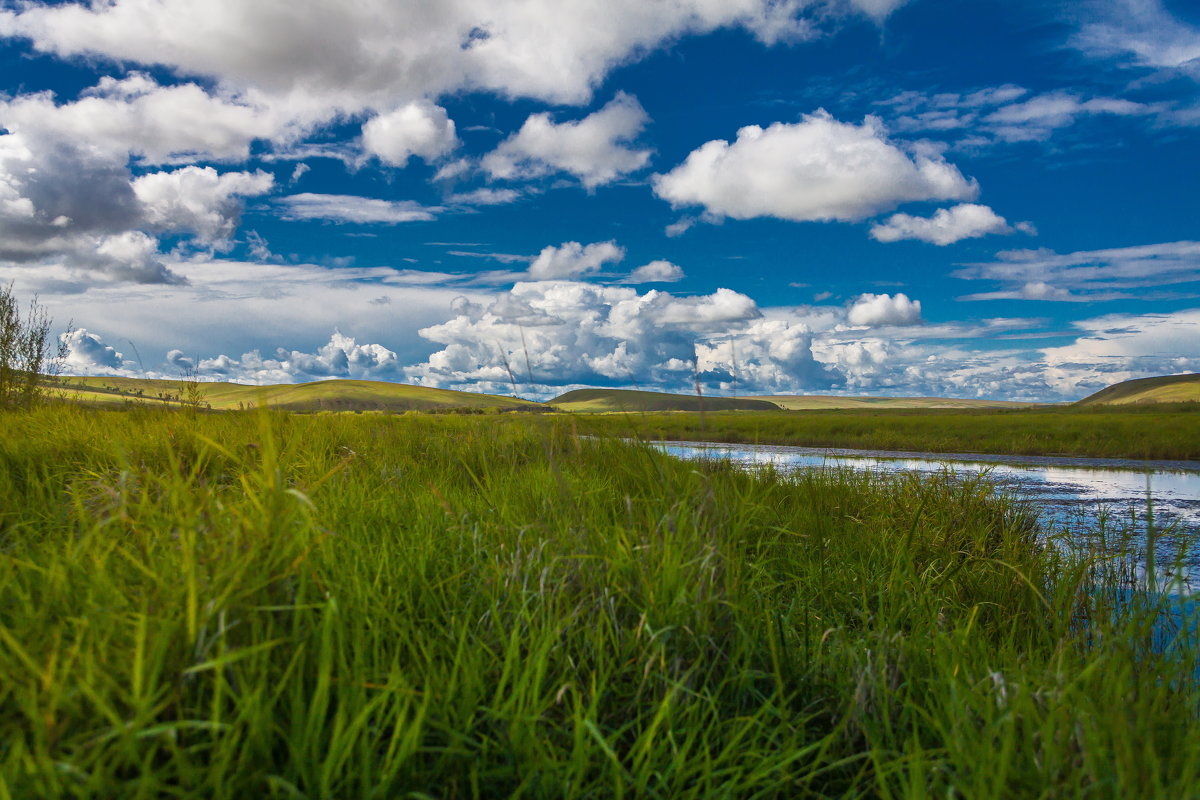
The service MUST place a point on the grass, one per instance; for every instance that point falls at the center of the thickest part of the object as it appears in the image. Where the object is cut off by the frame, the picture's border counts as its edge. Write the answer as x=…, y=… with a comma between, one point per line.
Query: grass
x=608, y=400
x=332, y=395
x=332, y=606
x=617, y=400
x=815, y=402
x=1165, y=389
x=1141, y=432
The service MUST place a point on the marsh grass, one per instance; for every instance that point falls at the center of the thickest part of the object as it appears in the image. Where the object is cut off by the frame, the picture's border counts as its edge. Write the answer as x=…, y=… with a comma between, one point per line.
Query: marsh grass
x=1135, y=432
x=263, y=605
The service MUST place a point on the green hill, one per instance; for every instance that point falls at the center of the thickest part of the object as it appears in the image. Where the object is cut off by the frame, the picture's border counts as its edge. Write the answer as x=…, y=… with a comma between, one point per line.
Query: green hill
x=600, y=400
x=607, y=400
x=1165, y=389
x=330, y=395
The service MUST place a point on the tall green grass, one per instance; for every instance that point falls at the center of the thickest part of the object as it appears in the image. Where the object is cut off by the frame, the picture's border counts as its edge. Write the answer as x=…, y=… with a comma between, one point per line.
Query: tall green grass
x=253, y=605
x=1127, y=432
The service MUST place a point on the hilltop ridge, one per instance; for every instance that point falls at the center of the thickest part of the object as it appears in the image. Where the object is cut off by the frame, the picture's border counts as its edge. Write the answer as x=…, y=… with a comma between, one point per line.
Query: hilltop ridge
x=1163, y=389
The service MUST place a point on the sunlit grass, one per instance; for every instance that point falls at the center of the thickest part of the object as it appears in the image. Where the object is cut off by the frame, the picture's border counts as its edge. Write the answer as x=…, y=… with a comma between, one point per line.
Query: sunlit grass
x=1134, y=433
x=243, y=605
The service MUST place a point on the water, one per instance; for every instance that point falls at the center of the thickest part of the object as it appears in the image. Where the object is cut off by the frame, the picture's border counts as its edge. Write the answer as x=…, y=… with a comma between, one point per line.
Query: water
x=1089, y=498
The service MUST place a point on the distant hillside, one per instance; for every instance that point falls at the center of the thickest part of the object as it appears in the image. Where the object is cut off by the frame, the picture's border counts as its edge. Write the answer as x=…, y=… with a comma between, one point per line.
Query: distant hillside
x=1166, y=389
x=813, y=402
x=599, y=400
x=331, y=395
x=629, y=400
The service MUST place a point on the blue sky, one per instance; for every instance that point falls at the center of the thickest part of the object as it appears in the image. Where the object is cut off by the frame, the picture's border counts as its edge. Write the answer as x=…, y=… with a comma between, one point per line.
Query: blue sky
x=889, y=197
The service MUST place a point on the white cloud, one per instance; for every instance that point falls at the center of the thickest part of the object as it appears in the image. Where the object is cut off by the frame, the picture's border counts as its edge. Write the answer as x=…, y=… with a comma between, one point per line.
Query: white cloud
x=383, y=53
x=485, y=197
x=818, y=169
x=874, y=310
x=578, y=333
x=946, y=226
x=878, y=9
x=57, y=199
x=88, y=355
x=1087, y=275
x=419, y=129
x=1118, y=347
x=198, y=200
x=135, y=115
x=66, y=193
x=234, y=307
x=552, y=333
x=572, y=259
x=658, y=271
x=1037, y=118
x=341, y=357
x=594, y=149
x=1144, y=31
x=679, y=227
x=351, y=208
x=1007, y=113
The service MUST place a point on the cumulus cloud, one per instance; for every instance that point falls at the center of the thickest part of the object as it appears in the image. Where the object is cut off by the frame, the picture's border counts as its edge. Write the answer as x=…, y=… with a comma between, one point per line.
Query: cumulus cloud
x=549, y=334
x=135, y=115
x=88, y=355
x=198, y=200
x=419, y=129
x=56, y=198
x=230, y=306
x=595, y=149
x=355, y=209
x=1086, y=275
x=946, y=226
x=67, y=195
x=818, y=169
x=562, y=332
x=572, y=259
x=874, y=310
x=1118, y=347
x=341, y=357
x=658, y=271
x=383, y=53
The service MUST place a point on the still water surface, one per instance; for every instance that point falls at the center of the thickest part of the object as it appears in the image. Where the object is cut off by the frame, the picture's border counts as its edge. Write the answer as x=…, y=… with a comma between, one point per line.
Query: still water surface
x=1079, y=495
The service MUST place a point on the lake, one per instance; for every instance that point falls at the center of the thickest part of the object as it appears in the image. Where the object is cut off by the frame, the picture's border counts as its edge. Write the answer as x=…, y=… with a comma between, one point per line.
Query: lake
x=1088, y=499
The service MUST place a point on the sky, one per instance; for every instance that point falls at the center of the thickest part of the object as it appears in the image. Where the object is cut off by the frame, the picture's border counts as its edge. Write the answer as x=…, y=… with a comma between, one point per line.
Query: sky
x=992, y=199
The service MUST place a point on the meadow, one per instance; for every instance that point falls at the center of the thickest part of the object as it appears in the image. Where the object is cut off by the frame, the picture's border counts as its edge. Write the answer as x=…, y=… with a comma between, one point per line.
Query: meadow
x=1164, y=431
x=256, y=604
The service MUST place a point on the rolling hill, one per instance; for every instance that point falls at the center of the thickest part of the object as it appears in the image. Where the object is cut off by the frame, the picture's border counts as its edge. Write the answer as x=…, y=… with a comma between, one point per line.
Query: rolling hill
x=608, y=400
x=331, y=395
x=602, y=400
x=1165, y=389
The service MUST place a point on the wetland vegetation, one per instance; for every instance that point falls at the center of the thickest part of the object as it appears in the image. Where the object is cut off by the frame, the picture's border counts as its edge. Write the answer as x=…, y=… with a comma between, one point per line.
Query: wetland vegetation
x=268, y=605
x=1168, y=431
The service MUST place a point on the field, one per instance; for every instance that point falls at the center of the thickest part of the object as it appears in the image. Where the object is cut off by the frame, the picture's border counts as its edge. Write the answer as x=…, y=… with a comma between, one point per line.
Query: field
x=257, y=604
x=610, y=400
x=613, y=400
x=815, y=402
x=334, y=395
x=1157, y=432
